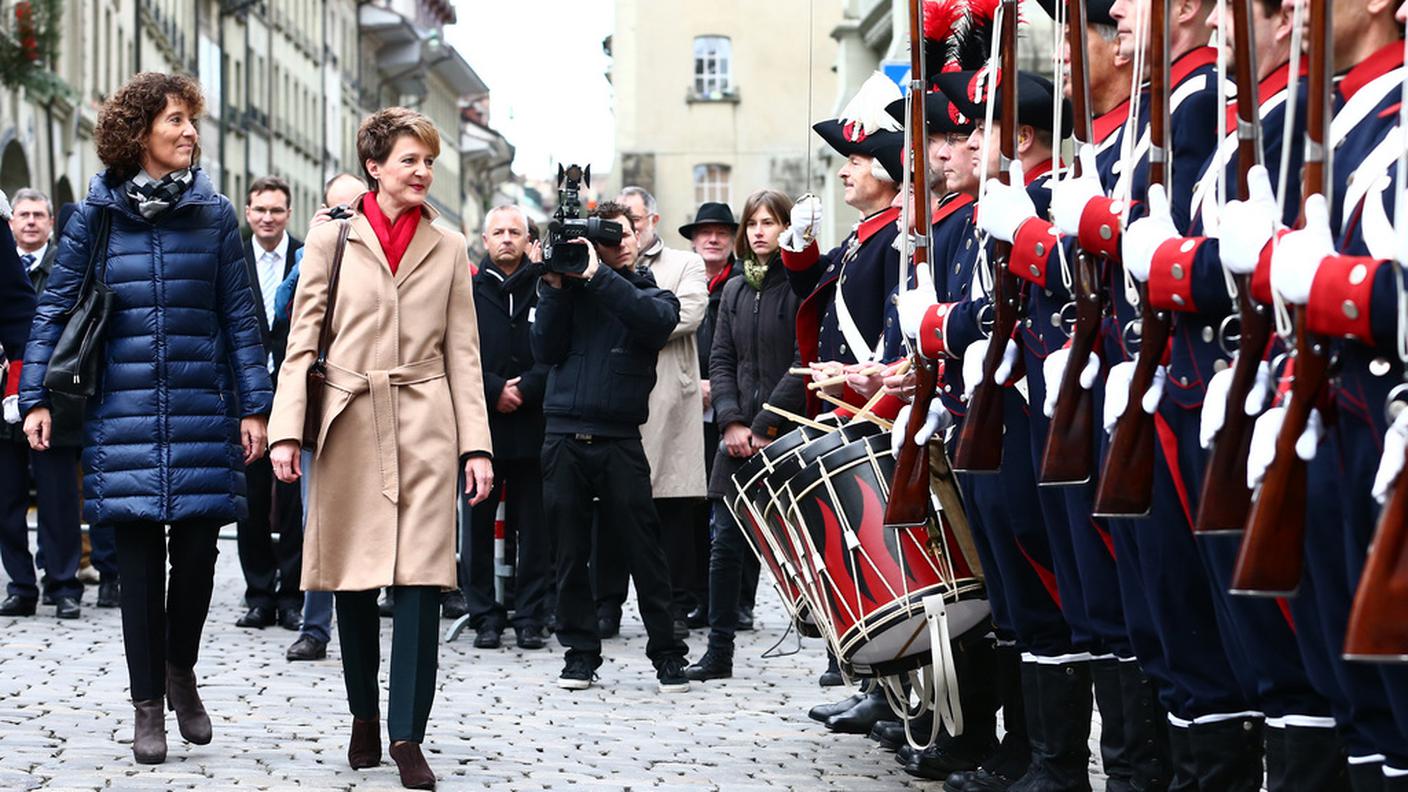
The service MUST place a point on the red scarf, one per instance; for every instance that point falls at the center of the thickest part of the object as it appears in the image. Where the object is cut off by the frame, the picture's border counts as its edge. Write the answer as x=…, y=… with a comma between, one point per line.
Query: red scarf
x=719, y=280
x=394, y=238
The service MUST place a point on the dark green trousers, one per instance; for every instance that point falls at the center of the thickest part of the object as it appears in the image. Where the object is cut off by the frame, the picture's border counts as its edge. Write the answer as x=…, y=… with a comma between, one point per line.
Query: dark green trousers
x=414, y=647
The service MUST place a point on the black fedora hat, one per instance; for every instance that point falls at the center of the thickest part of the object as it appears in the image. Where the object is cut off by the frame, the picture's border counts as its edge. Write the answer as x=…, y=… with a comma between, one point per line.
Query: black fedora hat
x=710, y=213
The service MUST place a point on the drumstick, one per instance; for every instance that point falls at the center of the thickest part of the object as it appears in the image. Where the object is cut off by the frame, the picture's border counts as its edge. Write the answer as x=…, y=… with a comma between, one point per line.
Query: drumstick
x=800, y=371
x=875, y=419
x=864, y=412
x=797, y=419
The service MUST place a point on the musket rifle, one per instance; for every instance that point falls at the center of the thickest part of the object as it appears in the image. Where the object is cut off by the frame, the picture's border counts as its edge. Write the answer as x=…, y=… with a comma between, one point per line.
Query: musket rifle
x=1273, y=548
x=1226, y=499
x=1126, y=486
x=979, y=447
x=1070, y=443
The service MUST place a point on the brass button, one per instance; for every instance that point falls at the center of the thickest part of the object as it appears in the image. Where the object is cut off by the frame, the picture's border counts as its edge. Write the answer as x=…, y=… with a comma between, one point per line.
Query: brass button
x=1351, y=311
x=1358, y=274
x=1176, y=271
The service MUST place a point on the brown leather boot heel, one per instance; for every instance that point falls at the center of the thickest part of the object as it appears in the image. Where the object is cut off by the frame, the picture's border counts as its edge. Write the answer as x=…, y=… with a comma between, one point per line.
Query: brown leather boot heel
x=191, y=718
x=365, y=748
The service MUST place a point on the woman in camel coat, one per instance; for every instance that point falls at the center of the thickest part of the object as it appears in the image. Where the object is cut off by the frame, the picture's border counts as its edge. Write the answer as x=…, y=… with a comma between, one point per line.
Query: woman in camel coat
x=403, y=411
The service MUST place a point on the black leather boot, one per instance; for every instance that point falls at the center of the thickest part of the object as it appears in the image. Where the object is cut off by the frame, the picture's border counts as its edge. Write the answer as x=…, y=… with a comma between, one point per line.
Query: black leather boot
x=1010, y=759
x=1184, y=768
x=191, y=717
x=1115, y=754
x=823, y=712
x=1367, y=777
x=149, y=732
x=1273, y=741
x=1396, y=783
x=717, y=663
x=1146, y=731
x=1315, y=759
x=1058, y=718
x=861, y=718
x=1227, y=754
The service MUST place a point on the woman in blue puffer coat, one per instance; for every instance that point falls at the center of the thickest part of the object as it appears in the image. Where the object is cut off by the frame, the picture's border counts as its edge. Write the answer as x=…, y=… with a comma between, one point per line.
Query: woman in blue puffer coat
x=183, y=393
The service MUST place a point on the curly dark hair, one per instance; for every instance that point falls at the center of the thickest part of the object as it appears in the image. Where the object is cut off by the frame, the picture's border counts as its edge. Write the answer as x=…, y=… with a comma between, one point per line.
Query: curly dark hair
x=126, y=118
x=377, y=135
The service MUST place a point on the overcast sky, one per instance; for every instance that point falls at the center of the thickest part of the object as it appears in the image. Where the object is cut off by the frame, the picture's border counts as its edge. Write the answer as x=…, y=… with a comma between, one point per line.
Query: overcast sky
x=546, y=72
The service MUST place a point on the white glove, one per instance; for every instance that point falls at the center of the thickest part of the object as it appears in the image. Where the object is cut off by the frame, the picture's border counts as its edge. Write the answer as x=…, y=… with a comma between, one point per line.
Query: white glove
x=1299, y=253
x=1117, y=393
x=937, y=420
x=1262, y=389
x=1145, y=235
x=805, y=223
x=1054, y=369
x=1070, y=196
x=12, y=409
x=1246, y=226
x=1214, y=407
x=912, y=306
x=1152, y=397
x=1391, y=463
x=1268, y=428
x=1004, y=207
x=973, y=364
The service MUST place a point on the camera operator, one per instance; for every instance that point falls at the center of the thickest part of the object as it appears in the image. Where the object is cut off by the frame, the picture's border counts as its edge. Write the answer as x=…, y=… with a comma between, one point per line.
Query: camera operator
x=601, y=332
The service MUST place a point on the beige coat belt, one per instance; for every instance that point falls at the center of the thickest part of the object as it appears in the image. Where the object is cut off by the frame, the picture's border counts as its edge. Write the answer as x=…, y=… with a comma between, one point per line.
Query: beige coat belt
x=379, y=384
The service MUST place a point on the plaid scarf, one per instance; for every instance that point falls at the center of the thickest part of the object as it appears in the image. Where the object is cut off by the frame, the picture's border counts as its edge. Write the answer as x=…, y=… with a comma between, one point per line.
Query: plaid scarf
x=152, y=197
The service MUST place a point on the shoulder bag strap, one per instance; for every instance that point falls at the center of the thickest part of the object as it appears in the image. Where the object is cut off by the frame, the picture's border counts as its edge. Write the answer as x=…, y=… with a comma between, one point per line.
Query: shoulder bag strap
x=325, y=334
x=97, y=257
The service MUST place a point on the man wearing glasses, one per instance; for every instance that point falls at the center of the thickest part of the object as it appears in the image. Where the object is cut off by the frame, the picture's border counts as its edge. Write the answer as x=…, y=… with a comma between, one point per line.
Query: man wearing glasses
x=271, y=571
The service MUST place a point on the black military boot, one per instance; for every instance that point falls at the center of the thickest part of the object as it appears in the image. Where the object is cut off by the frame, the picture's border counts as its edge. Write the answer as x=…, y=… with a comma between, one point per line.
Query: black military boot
x=1395, y=783
x=976, y=668
x=1058, y=719
x=1115, y=753
x=1184, y=768
x=823, y=712
x=1273, y=741
x=1146, y=731
x=1227, y=754
x=1315, y=759
x=1006, y=763
x=1366, y=777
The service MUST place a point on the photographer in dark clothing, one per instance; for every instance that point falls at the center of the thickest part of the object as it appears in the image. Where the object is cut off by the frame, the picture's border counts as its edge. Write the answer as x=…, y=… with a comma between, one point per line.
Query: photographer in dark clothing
x=505, y=299
x=601, y=332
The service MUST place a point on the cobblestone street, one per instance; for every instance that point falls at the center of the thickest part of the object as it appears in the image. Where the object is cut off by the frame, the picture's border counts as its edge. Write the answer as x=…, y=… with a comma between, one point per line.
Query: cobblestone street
x=500, y=721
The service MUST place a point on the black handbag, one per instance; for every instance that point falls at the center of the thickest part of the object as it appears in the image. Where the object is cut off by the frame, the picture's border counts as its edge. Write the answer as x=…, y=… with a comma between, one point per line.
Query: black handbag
x=318, y=370
x=73, y=366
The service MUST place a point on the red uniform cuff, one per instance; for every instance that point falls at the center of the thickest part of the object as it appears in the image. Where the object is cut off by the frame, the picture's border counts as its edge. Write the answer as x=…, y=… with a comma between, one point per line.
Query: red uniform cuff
x=12, y=379
x=1100, y=227
x=1340, y=297
x=1031, y=250
x=800, y=262
x=1171, y=274
x=1261, y=276
x=932, y=342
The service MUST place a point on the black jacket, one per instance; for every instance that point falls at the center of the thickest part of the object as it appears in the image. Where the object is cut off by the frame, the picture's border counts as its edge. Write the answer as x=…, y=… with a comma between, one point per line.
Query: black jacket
x=276, y=337
x=705, y=334
x=66, y=410
x=601, y=339
x=506, y=309
x=16, y=313
x=755, y=343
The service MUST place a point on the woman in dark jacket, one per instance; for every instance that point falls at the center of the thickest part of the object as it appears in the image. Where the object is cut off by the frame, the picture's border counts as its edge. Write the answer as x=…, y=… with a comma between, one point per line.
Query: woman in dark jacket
x=755, y=343
x=183, y=393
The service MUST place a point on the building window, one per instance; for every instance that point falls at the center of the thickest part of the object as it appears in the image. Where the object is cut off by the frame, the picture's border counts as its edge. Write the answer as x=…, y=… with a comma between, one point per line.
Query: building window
x=711, y=183
x=713, y=67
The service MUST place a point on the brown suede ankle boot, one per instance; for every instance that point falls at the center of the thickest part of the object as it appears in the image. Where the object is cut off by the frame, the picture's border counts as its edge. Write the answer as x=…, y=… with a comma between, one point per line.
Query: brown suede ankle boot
x=191, y=717
x=415, y=773
x=149, y=732
x=365, y=748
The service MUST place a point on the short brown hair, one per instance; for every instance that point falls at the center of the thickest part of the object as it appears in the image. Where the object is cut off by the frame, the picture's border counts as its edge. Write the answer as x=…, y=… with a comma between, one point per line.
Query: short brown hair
x=610, y=210
x=268, y=184
x=377, y=135
x=777, y=204
x=126, y=118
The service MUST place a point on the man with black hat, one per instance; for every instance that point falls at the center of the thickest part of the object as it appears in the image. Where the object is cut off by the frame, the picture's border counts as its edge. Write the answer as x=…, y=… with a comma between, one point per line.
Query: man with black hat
x=711, y=234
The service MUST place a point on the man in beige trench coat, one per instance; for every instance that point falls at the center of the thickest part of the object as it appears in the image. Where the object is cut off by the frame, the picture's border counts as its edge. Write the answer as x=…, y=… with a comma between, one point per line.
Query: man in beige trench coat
x=673, y=436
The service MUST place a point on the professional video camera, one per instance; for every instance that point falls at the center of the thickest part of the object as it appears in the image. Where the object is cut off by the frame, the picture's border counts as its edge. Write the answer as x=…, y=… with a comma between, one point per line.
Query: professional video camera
x=568, y=224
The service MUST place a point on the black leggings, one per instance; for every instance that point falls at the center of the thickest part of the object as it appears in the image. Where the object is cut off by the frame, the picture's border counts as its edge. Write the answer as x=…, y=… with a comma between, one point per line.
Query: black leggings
x=161, y=627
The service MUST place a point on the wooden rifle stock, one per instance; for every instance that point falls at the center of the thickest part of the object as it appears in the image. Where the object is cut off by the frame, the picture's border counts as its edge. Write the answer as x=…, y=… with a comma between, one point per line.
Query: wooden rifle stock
x=1378, y=624
x=1226, y=499
x=979, y=447
x=1126, y=486
x=1273, y=548
x=909, y=489
x=1069, y=457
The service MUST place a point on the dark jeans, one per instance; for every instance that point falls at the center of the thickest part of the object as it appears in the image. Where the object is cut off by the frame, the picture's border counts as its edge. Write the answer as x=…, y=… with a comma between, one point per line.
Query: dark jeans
x=678, y=530
x=616, y=471
x=271, y=569
x=102, y=541
x=414, y=648
x=317, y=605
x=55, y=474
x=521, y=484
x=725, y=575
x=162, y=624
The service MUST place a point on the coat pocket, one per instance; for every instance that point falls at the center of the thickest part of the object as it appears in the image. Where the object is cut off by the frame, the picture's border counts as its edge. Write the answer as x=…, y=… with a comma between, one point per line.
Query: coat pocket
x=335, y=401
